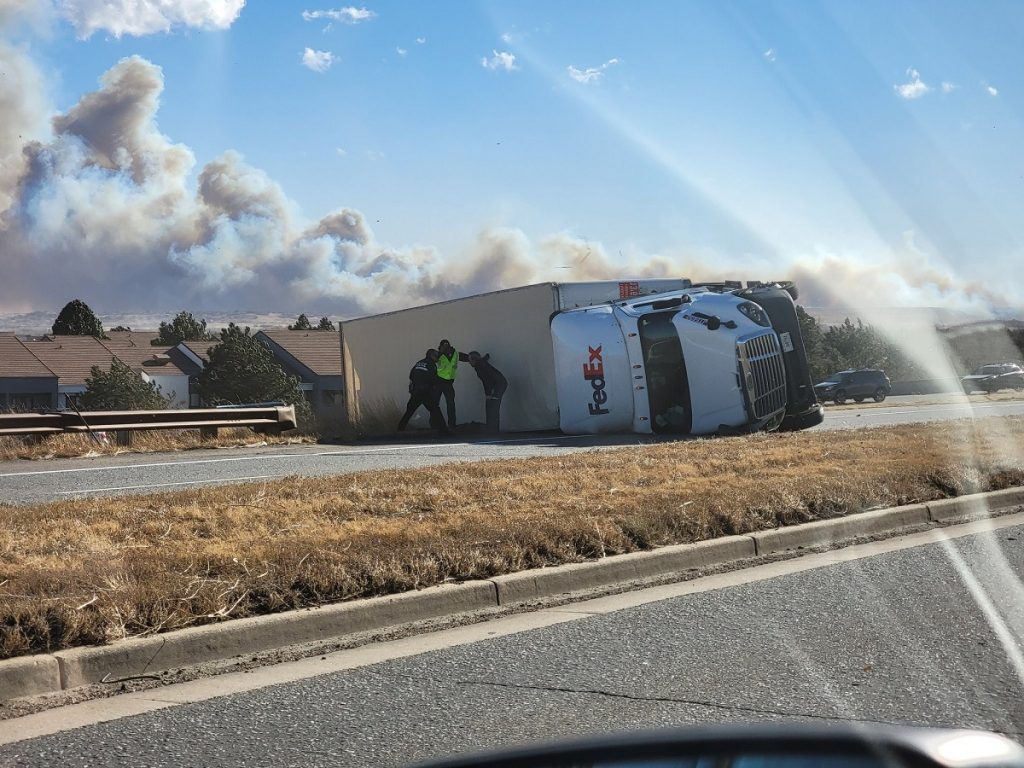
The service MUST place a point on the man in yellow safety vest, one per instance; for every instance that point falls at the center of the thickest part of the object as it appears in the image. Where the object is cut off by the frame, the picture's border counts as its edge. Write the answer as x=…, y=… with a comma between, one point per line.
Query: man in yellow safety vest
x=447, y=366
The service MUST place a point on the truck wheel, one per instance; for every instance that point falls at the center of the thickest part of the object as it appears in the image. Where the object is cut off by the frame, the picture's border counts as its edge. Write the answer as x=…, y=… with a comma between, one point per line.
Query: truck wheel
x=879, y=395
x=840, y=397
x=809, y=418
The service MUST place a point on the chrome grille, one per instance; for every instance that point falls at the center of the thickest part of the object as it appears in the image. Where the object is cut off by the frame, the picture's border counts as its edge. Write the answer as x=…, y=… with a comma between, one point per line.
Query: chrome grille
x=764, y=373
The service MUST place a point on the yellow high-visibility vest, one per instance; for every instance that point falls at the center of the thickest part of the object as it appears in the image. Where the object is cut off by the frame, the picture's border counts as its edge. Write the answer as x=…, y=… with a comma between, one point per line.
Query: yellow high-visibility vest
x=446, y=366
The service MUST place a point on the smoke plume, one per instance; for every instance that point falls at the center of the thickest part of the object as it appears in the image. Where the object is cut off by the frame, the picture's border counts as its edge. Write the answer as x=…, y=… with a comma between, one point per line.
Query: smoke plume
x=98, y=202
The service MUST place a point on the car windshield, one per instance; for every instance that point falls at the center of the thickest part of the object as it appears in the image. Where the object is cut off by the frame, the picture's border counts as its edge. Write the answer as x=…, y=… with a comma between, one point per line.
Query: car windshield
x=667, y=384
x=385, y=380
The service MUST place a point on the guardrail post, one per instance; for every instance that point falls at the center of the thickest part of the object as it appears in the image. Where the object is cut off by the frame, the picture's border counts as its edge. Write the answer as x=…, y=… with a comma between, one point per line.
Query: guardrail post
x=124, y=438
x=208, y=433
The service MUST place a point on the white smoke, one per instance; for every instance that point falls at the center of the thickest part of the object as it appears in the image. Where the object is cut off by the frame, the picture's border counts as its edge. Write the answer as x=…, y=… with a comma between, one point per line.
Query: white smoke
x=33, y=14
x=23, y=107
x=104, y=207
x=97, y=202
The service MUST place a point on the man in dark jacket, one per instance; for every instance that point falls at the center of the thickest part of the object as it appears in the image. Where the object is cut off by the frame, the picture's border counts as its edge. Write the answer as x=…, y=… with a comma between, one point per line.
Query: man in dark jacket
x=423, y=390
x=494, y=388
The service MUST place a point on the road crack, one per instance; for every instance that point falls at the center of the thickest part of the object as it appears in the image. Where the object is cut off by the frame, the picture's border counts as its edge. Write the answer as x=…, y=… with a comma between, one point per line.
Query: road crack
x=707, y=703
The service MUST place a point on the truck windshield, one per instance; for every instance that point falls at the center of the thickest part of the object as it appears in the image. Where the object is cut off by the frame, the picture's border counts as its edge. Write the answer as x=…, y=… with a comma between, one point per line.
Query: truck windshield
x=668, y=389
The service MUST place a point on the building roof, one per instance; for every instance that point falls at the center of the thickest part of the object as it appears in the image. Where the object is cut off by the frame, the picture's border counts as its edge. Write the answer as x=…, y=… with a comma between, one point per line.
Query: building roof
x=135, y=351
x=184, y=362
x=138, y=338
x=71, y=357
x=200, y=350
x=18, y=361
x=318, y=351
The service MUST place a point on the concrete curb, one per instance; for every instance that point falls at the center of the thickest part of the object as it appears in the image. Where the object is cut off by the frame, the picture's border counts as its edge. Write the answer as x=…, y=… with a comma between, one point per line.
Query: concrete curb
x=576, y=577
x=822, y=533
x=216, y=642
x=28, y=676
x=974, y=504
x=50, y=673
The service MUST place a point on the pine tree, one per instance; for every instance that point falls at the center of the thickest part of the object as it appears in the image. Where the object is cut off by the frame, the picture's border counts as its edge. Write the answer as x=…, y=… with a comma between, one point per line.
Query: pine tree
x=242, y=370
x=184, y=327
x=120, y=389
x=301, y=324
x=77, y=319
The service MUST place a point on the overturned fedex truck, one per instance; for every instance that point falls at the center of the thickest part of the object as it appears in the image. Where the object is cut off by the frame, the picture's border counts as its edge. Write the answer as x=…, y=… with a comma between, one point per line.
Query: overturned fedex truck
x=641, y=356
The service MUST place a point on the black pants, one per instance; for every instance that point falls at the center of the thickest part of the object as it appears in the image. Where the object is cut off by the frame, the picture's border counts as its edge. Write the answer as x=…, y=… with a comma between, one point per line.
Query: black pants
x=493, y=410
x=493, y=407
x=429, y=401
x=447, y=388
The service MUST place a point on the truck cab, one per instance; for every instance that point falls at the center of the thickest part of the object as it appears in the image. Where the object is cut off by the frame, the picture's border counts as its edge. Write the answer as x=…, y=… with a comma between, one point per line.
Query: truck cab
x=697, y=361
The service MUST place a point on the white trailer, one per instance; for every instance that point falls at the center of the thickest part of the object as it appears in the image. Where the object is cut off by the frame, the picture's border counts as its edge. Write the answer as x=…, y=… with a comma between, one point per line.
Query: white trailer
x=610, y=356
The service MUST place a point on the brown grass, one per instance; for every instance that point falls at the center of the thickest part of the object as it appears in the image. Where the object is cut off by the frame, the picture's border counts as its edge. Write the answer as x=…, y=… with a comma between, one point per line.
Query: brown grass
x=377, y=416
x=91, y=571
x=73, y=446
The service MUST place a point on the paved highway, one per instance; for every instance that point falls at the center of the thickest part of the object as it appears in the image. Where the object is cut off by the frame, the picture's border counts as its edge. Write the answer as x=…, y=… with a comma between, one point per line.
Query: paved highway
x=26, y=482
x=898, y=631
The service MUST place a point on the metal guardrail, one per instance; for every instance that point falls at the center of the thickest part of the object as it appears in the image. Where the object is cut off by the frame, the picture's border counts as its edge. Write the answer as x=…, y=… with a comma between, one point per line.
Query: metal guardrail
x=31, y=423
x=272, y=419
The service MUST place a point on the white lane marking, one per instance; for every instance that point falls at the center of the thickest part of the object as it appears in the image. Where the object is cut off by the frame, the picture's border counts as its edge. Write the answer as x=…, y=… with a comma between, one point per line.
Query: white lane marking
x=954, y=409
x=167, y=485
x=296, y=455
x=432, y=446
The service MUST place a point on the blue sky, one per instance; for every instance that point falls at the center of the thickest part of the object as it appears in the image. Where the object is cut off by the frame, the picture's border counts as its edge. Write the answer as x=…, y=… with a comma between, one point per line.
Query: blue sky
x=747, y=134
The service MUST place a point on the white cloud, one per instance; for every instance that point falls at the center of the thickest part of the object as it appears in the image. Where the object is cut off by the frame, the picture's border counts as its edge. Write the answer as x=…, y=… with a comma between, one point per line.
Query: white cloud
x=401, y=51
x=500, y=60
x=318, y=61
x=991, y=90
x=146, y=17
x=915, y=88
x=341, y=152
x=948, y=87
x=347, y=15
x=770, y=54
x=591, y=74
x=421, y=40
x=506, y=37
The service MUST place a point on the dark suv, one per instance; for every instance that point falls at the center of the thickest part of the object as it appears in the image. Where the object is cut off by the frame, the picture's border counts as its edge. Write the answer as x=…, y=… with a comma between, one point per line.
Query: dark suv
x=858, y=385
x=993, y=377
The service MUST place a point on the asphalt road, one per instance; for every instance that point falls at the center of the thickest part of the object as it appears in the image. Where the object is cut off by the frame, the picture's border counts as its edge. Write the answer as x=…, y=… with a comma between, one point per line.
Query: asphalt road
x=929, y=635
x=26, y=482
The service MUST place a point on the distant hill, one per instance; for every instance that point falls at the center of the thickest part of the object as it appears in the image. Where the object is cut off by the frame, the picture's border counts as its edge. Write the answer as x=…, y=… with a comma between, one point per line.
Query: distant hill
x=913, y=316
x=34, y=323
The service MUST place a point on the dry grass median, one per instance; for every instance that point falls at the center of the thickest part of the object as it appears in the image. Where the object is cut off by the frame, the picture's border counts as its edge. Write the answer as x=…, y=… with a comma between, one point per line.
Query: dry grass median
x=90, y=571
x=105, y=444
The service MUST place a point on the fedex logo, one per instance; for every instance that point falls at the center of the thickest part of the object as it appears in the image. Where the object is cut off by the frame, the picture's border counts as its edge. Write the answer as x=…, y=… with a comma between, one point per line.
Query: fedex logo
x=593, y=371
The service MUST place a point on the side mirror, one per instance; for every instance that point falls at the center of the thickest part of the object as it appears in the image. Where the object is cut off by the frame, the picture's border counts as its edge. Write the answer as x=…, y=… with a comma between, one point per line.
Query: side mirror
x=714, y=323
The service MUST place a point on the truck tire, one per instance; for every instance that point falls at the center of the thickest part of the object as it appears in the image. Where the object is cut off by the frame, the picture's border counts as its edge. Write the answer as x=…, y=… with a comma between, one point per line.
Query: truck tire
x=840, y=397
x=880, y=395
x=812, y=417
